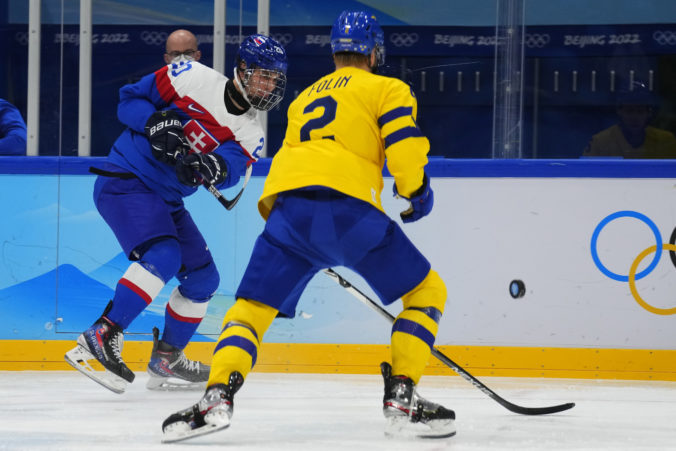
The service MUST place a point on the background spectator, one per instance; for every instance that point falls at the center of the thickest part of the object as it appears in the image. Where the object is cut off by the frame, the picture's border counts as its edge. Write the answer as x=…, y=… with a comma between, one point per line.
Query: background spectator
x=12, y=130
x=181, y=46
x=632, y=137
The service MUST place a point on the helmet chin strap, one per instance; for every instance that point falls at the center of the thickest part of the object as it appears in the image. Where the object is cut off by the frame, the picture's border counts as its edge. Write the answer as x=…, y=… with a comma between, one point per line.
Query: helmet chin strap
x=240, y=85
x=373, y=61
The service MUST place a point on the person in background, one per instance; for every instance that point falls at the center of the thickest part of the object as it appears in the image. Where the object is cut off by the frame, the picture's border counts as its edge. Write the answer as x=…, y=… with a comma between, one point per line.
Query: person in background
x=187, y=125
x=181, y=46
x=12, y=130
x=321, y=201
x=632, y=137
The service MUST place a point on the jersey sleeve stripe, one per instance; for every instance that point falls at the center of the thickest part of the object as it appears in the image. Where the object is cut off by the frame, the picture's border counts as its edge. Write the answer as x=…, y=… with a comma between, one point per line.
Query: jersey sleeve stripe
x=394, y=114
x=164, y=86
x=401, y=134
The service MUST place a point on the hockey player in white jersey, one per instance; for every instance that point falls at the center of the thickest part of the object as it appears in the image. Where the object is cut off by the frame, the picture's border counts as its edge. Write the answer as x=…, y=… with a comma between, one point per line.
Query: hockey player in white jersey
x=187, y=124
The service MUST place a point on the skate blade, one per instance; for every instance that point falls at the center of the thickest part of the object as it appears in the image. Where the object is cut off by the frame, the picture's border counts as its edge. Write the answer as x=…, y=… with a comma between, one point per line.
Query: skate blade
x=181, y=430
x=403, y=428
x=79, y=357
x=160, y=383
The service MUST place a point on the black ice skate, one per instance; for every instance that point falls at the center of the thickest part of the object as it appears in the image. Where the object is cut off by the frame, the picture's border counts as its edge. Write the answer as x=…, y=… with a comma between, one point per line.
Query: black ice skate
x=212, y=413
x=170, y=369
x=410, y=415
x=102, y=342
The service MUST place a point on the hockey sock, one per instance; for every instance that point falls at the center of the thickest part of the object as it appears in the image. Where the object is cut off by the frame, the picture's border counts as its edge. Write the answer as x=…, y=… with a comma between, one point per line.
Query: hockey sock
x=181, y=319
x=415, y=329
x=188, y=303
x=134, y=292
x=144, y=280
x=237, y=346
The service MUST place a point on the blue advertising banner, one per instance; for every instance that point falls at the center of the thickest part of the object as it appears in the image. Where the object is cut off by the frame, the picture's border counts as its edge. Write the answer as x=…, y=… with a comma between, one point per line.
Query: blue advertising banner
x=568, y=40
x=450, y=68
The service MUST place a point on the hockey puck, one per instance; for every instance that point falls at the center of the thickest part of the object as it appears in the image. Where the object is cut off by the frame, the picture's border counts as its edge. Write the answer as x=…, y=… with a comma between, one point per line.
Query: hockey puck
x=517, y=288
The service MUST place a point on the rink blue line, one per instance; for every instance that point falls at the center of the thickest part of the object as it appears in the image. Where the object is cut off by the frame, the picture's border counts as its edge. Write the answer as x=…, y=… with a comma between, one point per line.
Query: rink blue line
x=438, y=167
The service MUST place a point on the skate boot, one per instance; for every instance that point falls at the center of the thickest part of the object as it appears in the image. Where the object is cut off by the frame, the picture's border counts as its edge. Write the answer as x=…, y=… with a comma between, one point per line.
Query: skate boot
x=212, y=413
x=410, y=415
x=170, y=369
x=102, y=342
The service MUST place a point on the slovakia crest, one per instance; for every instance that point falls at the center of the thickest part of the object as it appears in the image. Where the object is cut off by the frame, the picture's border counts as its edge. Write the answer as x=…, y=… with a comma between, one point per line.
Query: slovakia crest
x=199, y=137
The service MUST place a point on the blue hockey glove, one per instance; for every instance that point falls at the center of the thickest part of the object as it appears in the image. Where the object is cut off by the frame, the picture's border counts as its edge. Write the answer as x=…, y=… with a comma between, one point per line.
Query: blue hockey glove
x=421, y=200
x=165, y=133
x=194, y=168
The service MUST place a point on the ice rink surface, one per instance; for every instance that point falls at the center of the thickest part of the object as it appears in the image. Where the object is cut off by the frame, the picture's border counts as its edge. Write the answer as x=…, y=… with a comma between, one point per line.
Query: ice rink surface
x=66, y=411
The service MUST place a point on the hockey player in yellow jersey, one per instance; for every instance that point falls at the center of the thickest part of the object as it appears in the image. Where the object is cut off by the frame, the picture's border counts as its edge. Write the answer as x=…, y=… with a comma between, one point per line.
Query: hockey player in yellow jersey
x=342, y=128
x=322, y=205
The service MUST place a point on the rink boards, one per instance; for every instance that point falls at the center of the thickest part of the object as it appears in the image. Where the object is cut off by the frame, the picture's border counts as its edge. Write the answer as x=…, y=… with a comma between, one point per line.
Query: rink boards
x=583, y=236
x=581, y=363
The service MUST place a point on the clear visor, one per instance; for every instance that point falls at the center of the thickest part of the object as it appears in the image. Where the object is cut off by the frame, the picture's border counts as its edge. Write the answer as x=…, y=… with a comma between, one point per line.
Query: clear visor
x=264, y=88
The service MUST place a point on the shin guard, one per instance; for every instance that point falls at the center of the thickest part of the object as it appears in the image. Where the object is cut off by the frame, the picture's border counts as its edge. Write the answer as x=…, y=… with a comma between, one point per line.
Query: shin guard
x=415, y=329
x=182, y=318
x=241, y=336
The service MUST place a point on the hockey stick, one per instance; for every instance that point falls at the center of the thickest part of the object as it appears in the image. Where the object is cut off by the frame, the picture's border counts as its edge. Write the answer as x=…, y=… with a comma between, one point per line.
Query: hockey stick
x=228, y=204
x=447, y=361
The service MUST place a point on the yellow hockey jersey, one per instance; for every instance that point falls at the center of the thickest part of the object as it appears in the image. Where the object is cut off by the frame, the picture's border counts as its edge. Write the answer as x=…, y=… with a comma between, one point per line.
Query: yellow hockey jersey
x=611, y=142
x=340, y=132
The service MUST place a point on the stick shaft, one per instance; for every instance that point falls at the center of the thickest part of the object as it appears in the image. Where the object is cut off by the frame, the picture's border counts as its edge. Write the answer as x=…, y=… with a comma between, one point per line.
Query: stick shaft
x=446, y=360
x=228, y=204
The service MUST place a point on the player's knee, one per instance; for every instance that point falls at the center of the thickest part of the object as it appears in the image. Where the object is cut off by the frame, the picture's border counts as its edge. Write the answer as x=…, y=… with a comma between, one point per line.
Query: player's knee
x=430, y=293
x=201, y=283
x=163, y=259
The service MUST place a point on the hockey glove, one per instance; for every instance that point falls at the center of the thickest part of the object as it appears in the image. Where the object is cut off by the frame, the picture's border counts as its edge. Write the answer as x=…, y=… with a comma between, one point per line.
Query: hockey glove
x=421, y=200
x=194, y=168
x=165, y=133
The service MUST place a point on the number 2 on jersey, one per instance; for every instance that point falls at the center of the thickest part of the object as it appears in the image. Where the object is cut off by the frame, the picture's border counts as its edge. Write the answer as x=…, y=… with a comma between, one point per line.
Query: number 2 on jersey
x=330, y=106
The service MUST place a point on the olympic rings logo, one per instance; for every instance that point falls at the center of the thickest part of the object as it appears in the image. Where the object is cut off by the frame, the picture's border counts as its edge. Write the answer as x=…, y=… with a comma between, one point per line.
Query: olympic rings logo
x=665, y=37
x=632, y=277
x=533, y=40
x=21, y=37
x=283, y=38
x=154, y=37
x=404, y=39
